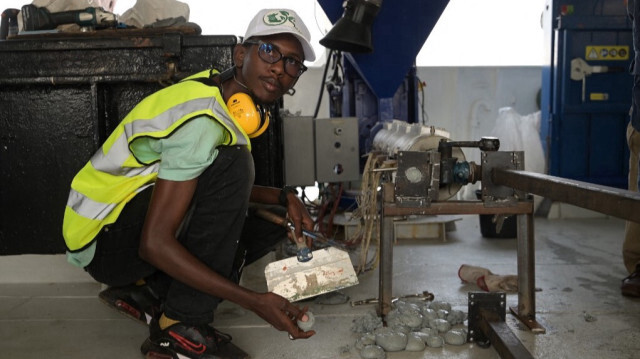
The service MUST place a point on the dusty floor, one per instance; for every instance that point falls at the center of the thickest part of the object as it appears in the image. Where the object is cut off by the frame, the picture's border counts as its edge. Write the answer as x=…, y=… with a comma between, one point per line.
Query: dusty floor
x=49, y=309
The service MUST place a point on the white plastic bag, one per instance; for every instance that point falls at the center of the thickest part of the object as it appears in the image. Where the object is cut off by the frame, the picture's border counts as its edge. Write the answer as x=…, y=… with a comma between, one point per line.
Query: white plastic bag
x=521, y=133
x=146, y=12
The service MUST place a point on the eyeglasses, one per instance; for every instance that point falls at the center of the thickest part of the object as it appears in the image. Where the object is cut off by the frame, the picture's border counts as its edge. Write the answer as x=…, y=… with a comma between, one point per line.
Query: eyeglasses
x=269, y=53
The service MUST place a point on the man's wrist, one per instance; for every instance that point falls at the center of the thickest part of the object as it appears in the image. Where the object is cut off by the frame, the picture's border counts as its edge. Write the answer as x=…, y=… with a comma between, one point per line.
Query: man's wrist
x=282, y=198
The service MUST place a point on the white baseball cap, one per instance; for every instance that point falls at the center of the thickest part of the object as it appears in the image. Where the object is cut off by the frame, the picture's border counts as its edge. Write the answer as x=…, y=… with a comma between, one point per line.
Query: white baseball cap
x=280, y=21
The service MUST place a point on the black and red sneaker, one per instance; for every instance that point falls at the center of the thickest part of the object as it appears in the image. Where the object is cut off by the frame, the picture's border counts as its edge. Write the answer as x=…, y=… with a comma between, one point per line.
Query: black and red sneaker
x=138, y=302
x=181, y=341
x=631, y=285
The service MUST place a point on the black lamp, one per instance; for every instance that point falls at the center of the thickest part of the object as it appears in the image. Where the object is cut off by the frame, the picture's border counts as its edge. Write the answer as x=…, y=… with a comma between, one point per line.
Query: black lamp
x=352, y=32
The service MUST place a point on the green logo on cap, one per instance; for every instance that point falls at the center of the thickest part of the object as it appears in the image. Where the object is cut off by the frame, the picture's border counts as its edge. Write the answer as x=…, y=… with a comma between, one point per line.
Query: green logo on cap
x=279, y=17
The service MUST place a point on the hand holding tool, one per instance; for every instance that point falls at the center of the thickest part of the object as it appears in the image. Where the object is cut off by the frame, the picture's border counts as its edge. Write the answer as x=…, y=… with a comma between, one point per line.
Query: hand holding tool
x=303, y=252
x=274, y=218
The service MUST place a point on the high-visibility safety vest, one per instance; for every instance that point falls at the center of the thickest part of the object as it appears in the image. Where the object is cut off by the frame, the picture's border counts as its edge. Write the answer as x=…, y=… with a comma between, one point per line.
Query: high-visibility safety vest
x=114, y=175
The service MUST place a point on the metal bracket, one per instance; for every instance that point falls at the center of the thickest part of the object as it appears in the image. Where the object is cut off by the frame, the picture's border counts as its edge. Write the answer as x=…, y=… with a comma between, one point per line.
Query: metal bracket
x=417, y=178
x=494, y=303
x=487, y=314
x=496, y=195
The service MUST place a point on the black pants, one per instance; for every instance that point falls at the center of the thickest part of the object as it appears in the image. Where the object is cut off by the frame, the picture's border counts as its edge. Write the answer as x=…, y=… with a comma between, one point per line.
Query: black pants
x=218, y=230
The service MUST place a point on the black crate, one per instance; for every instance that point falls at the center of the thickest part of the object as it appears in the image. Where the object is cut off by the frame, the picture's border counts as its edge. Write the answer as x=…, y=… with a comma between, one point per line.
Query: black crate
x=60, y=98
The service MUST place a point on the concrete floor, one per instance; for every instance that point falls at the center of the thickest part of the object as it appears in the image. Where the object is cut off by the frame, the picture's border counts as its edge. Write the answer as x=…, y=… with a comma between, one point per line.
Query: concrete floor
x=49, y=309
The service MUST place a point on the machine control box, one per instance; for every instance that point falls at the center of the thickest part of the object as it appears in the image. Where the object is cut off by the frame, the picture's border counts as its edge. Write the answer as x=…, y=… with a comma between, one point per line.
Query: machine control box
x=320, y=150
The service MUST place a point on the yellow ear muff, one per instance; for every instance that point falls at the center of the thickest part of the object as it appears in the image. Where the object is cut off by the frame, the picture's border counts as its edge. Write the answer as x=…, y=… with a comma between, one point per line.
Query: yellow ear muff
x=248, y=115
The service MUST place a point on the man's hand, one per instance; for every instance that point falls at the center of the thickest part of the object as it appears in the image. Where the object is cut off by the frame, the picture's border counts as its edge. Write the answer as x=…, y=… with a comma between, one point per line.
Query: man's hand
x=298, y=214
x=283, y=315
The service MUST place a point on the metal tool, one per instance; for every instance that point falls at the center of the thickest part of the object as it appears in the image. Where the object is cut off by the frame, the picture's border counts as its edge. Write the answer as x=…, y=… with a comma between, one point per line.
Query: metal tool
x=40, y=18
x=303, y=252
x=325, y=270
x=287, y=223
x=424, y=296
x=319, y=237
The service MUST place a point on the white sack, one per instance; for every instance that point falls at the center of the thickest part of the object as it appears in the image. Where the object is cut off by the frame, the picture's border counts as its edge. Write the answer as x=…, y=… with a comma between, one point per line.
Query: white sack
x=146, y=12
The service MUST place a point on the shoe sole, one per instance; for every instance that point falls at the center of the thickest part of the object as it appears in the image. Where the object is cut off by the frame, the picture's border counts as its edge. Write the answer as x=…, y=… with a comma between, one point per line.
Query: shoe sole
x=126, y=310
x=630, y=292
x=151, y=350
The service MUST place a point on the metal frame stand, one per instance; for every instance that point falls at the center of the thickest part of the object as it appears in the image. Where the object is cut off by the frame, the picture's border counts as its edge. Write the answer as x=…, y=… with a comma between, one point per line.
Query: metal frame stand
x=487, y=312
x=525, y=310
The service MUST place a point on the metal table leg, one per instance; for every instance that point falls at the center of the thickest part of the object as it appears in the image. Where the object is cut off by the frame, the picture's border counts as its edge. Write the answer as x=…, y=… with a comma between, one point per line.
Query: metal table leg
x=385, y=285
x=526, y=309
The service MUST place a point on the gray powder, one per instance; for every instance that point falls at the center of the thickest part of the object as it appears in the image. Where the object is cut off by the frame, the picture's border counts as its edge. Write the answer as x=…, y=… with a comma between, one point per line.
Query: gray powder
x=367, y=323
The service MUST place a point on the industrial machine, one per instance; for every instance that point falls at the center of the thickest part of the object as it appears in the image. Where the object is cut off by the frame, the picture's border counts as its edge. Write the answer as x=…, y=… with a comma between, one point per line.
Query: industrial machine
x=419, y=169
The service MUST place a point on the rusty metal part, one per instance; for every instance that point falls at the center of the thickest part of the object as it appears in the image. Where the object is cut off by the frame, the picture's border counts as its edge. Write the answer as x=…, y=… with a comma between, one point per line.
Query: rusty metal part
x=417, y=180
x=287, y=223
x=494, y=194
x=487, y=312
x=385, y=281
x=424, y=296
x=607, y=200
x=475, y=172
x=526, y=310
x=458, y=207
x=526, y=255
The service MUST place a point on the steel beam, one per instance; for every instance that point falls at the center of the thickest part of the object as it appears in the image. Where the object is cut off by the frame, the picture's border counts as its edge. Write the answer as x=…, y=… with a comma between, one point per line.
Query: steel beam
x=504, y=341
x=487, y=326
x=459, y=207
x=608, y=200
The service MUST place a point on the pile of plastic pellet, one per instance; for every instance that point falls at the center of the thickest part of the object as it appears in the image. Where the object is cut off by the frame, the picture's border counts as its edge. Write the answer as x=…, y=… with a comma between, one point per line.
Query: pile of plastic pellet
x=410, y=327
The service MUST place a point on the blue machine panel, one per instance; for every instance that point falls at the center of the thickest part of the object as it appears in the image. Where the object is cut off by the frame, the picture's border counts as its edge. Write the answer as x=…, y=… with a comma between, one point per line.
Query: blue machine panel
x=586, y=93
x=381, y=86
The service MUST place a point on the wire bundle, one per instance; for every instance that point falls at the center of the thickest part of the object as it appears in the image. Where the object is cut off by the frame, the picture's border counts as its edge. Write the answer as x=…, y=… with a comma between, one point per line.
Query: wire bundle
x=368, y=228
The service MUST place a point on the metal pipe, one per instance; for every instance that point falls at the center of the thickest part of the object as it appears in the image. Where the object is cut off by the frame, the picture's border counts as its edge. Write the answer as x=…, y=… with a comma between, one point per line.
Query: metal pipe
x=611, y=201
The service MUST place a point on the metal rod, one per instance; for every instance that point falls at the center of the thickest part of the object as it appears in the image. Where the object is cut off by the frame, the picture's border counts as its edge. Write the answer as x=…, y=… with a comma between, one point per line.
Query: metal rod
x=608, y=200
x=385, y=169
x=386, y=266
x=459, y=207
x=526, y=266
x=526, y=310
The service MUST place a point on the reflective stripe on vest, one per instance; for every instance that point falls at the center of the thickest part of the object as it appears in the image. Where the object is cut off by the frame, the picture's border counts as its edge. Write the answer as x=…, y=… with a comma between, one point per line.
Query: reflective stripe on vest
x=114, y=175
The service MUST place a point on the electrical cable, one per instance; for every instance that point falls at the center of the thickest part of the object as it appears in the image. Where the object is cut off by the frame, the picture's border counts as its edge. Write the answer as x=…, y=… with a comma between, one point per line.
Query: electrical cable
x=421, y=87
x=367, y=214
x=324, y=79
